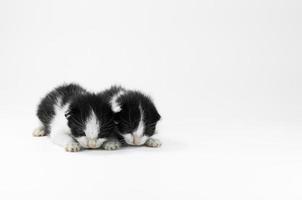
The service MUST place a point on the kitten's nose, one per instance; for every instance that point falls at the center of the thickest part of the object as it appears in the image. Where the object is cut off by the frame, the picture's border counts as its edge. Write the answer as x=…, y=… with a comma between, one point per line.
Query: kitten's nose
x=136, y=140
x=92, y=143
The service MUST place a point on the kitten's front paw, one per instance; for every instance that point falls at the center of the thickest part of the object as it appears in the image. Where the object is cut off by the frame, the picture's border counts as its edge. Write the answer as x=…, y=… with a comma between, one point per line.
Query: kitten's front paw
x=72, y=147
x=152, y=142
x=38, y=132
x=112, y=145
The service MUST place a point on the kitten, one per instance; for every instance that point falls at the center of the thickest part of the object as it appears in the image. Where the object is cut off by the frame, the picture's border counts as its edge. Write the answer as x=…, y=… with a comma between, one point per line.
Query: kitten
x=75, y=118
x=135, y=116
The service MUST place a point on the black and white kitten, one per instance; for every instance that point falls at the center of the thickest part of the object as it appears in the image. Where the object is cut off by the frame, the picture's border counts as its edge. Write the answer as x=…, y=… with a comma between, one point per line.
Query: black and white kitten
x=75, y=118
x=136, y=116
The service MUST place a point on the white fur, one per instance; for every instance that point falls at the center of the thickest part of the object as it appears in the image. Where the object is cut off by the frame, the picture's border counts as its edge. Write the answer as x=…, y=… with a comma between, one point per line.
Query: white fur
x=114, y=105
x=38, y=132
x=83, y=141
x=92, y=127
x=72, y=147
x=129, y=139
x=59, y=130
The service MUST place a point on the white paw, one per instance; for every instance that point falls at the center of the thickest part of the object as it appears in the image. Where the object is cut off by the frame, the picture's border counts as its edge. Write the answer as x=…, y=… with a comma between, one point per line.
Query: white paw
x=72, y=147
x=152, y=142
x=112, y=145
x=38, y=132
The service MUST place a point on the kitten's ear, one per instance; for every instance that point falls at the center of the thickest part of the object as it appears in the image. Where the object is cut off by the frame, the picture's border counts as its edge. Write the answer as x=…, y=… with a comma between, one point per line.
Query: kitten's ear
x=157, y=116
x=68, y=114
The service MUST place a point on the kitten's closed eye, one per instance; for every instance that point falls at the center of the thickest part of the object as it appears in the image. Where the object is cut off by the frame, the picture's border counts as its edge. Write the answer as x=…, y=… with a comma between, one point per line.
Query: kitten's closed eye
x=78, y=133
x=77, y=128
x=149, y=131
x=125, y=128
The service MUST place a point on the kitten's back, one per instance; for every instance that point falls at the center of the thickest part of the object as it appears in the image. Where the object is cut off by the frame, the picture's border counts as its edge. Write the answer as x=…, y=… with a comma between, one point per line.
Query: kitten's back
x=55, y=99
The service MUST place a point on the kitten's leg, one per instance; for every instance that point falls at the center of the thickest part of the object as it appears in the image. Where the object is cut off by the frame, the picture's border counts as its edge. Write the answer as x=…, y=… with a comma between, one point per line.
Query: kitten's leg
x=38, y=132
x=66, y=141
x=112, y=144
x=152, y=142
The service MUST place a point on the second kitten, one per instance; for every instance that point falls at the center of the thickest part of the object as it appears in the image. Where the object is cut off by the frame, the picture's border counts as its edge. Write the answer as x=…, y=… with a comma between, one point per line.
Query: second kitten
x=136, y=116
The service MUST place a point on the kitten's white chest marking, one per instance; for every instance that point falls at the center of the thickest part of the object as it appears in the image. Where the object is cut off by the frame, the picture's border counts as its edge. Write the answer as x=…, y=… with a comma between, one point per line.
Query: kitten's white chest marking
x=59, y=130
x=59, y=122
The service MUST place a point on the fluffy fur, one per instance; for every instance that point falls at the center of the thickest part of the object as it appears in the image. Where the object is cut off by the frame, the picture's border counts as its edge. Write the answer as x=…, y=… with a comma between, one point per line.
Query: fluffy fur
x=75, y=118
x=136, y=116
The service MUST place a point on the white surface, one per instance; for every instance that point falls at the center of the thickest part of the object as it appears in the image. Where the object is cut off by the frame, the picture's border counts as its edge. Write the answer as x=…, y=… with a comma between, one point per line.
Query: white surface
x=225, y=75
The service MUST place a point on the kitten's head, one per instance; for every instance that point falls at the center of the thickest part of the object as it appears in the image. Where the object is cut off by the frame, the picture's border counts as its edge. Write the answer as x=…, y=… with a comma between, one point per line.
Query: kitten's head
x=91, y=120
x=136, y=121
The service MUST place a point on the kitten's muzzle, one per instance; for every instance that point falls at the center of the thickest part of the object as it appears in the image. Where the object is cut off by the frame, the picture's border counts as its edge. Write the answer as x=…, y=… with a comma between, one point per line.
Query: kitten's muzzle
x=136, y=140
x=92, y=144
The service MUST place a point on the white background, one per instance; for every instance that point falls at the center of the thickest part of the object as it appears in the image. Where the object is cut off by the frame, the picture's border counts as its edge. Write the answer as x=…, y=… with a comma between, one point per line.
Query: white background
x=225, y=76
